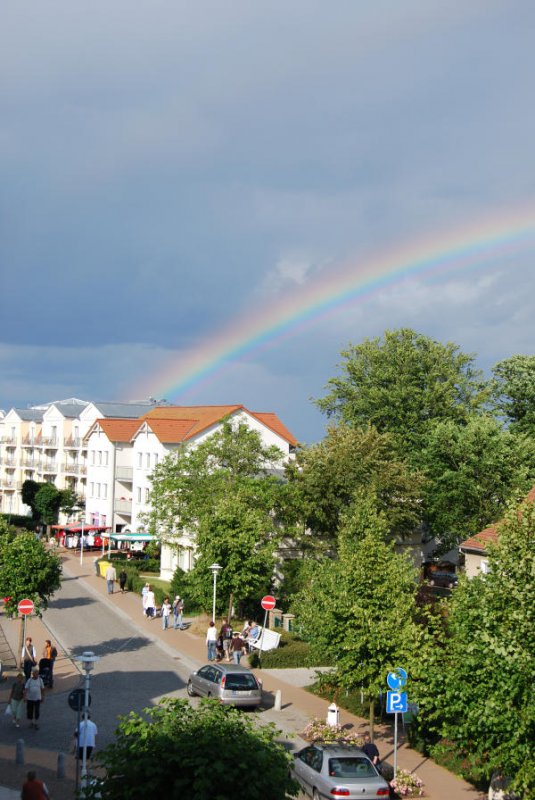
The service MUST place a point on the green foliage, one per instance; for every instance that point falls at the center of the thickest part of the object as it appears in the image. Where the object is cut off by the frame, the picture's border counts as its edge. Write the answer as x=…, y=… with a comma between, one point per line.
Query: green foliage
x=361, y=606
x=514, y=392
x=176, y=751
x=402, y=384
x=6, y=529
x=291, y=652
x=47, y=503
x=27, y=569
x=473, y=470
x=19, y=521
x=29, y=490
x=70, y=501
x=328, y=476
x=221, y=493
x=484, y=651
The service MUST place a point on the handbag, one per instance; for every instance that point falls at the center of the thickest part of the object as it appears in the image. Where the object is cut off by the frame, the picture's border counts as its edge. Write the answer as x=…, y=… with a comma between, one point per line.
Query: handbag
x=8, y=711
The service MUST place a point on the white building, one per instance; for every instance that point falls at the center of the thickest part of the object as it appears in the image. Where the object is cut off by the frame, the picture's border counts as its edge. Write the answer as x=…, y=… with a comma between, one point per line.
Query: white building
x=121, y=455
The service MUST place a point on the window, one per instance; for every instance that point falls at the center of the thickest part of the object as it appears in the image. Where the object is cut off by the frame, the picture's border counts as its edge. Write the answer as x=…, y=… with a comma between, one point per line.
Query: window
x=91, y=489
x=92, y=457
x=106, y=457
x=100, y=457
x=105, y=490
x=139, y=494
x=147, y=461
x=98, y=489
x=140, y=460
x=156, y=459
x=147, y=495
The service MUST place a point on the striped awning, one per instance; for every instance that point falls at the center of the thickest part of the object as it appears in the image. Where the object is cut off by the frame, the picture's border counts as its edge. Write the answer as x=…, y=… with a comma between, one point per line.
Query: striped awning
x=134, y=537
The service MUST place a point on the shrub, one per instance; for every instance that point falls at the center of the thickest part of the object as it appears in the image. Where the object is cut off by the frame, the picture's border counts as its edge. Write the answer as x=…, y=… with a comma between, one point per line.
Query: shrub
x=291, y=652
x=407, y=784
x=19, y=521
x=319, y=731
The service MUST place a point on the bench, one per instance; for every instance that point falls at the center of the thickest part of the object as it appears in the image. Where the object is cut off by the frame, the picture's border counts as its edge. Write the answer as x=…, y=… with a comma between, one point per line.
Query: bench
x=270, y=641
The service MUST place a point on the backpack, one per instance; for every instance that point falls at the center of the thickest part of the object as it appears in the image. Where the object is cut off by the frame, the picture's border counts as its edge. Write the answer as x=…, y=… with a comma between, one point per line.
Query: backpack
x=53, y=653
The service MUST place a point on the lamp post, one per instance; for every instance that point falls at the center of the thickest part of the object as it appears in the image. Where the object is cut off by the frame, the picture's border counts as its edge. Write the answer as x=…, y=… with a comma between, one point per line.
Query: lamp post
x=82, y=541
x=216, y=569
x=87, y=660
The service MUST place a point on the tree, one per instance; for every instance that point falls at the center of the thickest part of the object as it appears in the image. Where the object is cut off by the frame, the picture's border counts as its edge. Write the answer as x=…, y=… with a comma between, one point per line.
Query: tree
x=361, y=606
x=223, y=494
x=484, y=653
x=47, y=503
x=27, y=569
x=70, y=502
x=328, y=476
x=514, y=392
x=176, y=751
x=402, y=384
x=29, y=491
x=473, y=471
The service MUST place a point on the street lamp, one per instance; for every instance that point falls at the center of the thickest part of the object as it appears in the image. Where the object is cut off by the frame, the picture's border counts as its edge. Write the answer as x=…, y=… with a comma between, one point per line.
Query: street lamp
x=216, y=569
x=82, y=541
x=87, y=660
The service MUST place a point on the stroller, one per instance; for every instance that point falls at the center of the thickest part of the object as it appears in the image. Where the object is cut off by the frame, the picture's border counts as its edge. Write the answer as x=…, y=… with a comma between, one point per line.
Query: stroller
x=45, y=672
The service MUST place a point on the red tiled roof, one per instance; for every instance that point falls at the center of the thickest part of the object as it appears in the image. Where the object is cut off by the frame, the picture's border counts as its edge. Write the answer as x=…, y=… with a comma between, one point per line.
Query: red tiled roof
x=490, y=535
x=117, y=430
x=272, y=421
x=170, y=431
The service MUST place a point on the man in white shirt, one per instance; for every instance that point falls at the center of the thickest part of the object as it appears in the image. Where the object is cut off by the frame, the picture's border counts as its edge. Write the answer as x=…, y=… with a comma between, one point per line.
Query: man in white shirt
x=86, y=736
x=111, y=577
x=34, y=694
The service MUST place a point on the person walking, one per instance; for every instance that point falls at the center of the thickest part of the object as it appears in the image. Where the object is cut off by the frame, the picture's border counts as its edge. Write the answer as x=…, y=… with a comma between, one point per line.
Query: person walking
x=143, y=598
x=16, y=700
x=150, y=603
x=237, y=647
x=178, y=609
x=166, y=613
x=85, y=736
x=370, y=749
x=33, y=789
x=34, y=694
x=211, y=638
x=226, y=635
x=50, y=653
x=111, y=577
x=123, y=577
x=28, y=658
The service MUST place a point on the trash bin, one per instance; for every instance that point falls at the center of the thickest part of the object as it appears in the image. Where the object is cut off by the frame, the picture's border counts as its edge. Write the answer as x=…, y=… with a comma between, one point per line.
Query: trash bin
x=333, y=715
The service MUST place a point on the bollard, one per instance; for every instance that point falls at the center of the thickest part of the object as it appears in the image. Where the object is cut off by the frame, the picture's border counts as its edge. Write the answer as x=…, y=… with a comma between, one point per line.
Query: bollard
x=60, y=772
x=19, y=753
x=278, y=700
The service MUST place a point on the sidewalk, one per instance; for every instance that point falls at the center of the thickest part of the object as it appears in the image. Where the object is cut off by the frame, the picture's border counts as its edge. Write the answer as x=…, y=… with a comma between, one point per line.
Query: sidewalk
x=298, y=705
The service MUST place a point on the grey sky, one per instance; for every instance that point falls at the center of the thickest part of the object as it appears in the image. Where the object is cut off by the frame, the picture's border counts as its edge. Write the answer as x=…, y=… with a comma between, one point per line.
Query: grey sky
x=167, y=167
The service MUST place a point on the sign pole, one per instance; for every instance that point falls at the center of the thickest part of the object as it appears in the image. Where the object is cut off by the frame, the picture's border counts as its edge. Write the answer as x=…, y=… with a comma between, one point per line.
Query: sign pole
x=395, y=744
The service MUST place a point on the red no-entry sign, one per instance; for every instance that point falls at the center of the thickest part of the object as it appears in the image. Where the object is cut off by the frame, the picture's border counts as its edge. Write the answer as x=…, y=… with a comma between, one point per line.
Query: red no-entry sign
x=25, y=607
x=268, y=602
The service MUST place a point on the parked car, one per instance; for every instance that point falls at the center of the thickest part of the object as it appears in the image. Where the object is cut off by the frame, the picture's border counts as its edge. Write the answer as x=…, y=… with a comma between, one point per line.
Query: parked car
x=231, y=684
x=446, y=579
x=334, y=770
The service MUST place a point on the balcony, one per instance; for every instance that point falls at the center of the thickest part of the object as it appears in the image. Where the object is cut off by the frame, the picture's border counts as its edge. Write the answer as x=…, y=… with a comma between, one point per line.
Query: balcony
x=10, y=485
x=48, y=467
x=30, y=440
x=30, y=463
x=74, y=469
x=9, y=461
x=123, y=506
x=124, y=474
x=72, y=442
x=49, y=441
x=7, y=439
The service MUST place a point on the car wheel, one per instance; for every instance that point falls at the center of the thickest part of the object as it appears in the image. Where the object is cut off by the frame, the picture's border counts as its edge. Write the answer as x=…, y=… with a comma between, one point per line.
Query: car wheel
x=190, y=690
x=315, y=795
x=209, y=694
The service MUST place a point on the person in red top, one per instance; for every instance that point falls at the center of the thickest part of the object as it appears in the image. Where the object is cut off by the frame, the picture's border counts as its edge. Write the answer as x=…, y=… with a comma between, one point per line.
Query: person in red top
x=34, y=789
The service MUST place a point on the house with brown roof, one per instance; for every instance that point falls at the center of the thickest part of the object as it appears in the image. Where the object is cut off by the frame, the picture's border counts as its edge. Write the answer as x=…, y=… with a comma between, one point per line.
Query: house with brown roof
x=475, y=549
x=122, y=455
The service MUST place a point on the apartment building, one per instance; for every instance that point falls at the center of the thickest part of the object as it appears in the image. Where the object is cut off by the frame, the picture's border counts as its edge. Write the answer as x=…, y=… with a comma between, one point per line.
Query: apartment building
x=122, y=454
x=45, y=443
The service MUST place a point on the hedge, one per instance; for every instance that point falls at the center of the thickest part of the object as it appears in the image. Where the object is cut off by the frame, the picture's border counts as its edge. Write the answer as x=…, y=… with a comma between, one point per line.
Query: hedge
x=291, y=652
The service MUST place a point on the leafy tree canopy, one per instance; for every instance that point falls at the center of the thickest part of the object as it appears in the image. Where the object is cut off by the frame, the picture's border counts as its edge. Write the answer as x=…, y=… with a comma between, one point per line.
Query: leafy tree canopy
x=176, y=751
x=327, y=477
x=361, y=606
x=402, y=383
x=484, y=653
x=514, y=392
x=29, y=491
x=47, y=503
x=224, y=493
x=27, y=569
x=473, y=471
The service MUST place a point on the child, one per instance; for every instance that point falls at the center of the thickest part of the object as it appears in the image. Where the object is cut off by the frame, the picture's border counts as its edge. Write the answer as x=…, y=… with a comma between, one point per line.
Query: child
x=166, y=613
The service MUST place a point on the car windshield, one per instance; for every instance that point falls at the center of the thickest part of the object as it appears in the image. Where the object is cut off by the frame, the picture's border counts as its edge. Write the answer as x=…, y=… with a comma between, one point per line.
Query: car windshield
x=241, y=682
x=351, y=767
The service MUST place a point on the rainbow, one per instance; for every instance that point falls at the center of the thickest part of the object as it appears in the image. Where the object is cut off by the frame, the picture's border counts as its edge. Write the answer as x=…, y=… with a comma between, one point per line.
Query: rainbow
x=467, y=248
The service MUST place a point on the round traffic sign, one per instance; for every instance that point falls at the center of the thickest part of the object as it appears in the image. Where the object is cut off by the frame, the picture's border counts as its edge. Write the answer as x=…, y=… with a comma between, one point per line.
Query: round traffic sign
x=268, y=602
x=76, y=699
x=25, y=607
x=397, y=678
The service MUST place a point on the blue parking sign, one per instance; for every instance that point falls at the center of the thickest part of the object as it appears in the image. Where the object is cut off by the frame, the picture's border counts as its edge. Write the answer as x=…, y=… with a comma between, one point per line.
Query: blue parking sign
x=396, y=702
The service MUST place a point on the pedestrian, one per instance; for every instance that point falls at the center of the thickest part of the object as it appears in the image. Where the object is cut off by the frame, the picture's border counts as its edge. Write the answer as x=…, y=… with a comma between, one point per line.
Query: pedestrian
x=370, y=749
x=34, y=694
x=111, y=577
x=178, y=608
x=237, y=647
x=16, y=700
x=33, y=789
x=211, y=638
x=166, y=613
x=123, y=577
x=95, y=564
x=28, y=658
x=150, y=603
x=85, y=736
x=143, y=598
x=226, y=635
x=50, y=652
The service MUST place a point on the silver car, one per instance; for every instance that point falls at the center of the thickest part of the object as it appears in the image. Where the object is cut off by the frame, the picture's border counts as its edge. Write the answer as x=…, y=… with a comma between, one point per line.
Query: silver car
x=334, y=770
x=231, y=684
